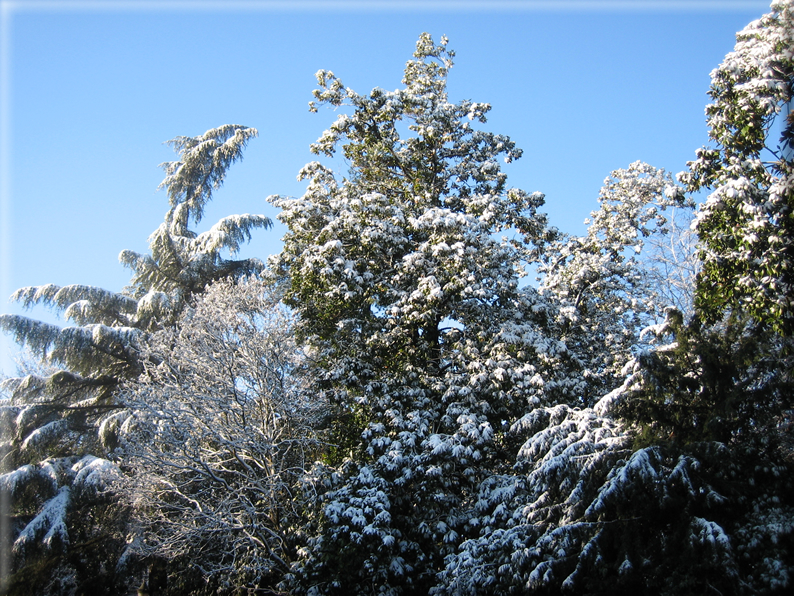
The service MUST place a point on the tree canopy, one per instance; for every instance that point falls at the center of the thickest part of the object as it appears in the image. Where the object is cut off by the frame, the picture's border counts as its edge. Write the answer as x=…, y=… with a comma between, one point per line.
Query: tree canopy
x=745, y=226
x=392, y=406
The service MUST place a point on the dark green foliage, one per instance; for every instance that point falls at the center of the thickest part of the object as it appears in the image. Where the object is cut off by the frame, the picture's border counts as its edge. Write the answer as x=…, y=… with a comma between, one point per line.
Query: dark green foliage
x=746, y=226
x=97, y=530
x=730, y=383
x=661, y=521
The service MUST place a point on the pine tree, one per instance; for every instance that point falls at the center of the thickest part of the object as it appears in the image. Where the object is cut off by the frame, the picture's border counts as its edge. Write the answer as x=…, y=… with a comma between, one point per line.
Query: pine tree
x=60, y=430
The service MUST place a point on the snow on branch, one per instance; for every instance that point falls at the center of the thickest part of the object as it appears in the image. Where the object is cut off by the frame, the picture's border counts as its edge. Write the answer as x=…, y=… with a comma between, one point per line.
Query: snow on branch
x=36, y=335
x=229, y=233
x=219, y=433
x=58, y=482
x=201, y=169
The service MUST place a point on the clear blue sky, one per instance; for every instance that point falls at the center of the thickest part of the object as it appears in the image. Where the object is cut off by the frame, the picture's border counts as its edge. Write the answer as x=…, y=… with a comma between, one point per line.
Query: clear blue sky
x=91, y=90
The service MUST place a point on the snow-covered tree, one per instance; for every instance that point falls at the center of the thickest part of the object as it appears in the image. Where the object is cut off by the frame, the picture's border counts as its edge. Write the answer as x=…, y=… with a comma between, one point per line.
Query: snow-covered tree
x=690, y=492
x=55, y=421
x=220, y=438
x=727, y=375
x=671, y=265
x=409, y=302
x=729, y=382
x=679, y=480
x=473, y=435
x=605, y=286
x=181, y=262
x=746, y=226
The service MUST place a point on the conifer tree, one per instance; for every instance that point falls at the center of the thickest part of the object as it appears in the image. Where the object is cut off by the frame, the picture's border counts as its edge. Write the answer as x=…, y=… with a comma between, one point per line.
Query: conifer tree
x=60, y=430
x=410, y=305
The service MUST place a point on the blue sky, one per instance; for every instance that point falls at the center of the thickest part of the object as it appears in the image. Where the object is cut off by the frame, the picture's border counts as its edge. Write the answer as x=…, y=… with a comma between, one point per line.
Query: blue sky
x=91, y=90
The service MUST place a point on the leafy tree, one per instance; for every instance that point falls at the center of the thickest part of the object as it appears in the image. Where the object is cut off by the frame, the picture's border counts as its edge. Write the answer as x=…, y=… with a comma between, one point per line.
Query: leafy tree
x=219, y=440
x=689, y=493
x=53, y=423
x=746, y=226
x=726, y=375
x=583, y=509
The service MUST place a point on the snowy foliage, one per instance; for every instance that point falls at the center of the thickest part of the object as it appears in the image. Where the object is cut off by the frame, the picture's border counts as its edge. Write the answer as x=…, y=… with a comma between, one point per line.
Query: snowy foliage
x=75, y=412
x=745, y=226
x=201, y=169
x=409, y=302
x=218, y=435
x=181, y=262
x=50, y=488
x=46, y=416
x=729, y=383
x=582, y=513
x=427, y=348
x=386, y=409
x=605, y=289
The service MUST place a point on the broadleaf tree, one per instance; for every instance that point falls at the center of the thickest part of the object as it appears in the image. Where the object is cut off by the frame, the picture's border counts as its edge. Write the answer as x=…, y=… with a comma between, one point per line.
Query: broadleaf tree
x=605, y=284
x=746, y=225
x=221, y=435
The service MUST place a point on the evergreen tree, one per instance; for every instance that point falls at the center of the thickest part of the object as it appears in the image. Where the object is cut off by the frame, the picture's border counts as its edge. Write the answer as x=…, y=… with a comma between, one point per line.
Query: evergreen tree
x=475, y=435
x=410, y=305
x=729, y=383
x=746, y=226
x=650, y=504
x=60, y=430
x=726, y=375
